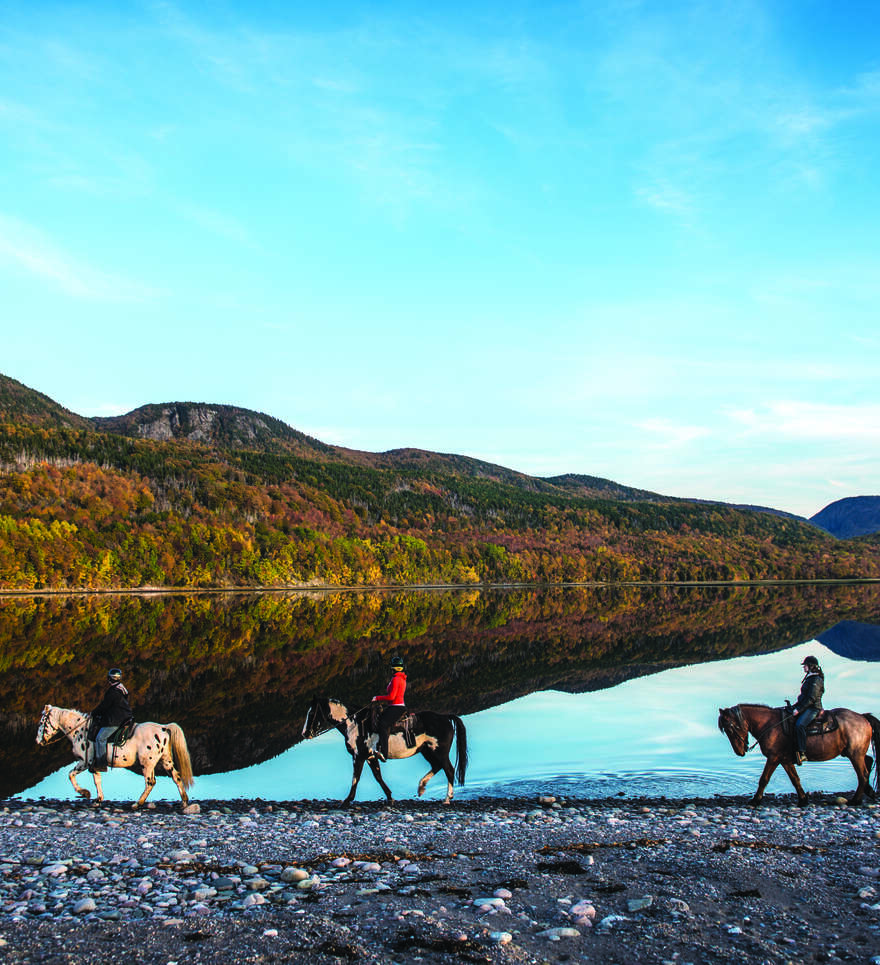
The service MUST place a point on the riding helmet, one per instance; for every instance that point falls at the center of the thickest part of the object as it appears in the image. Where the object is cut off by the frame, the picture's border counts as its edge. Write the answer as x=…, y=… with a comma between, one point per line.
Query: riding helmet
x=114, y=675
x=809, y=662
x=397, y=662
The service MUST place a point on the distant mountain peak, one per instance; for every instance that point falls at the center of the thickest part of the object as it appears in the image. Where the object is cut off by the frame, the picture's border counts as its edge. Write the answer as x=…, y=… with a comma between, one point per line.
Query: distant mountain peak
x=851, y=516
x=210, y=424
x=26, y=406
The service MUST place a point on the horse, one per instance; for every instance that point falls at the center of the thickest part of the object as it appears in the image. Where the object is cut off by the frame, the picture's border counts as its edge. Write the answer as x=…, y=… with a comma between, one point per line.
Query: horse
x=150, y=744
x=433, y=734
x=852, y=737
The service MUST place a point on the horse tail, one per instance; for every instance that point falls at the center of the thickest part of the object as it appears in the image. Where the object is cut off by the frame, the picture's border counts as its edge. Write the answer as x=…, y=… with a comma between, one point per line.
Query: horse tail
x=461, y=750
x=875, y=742
x=180, y=754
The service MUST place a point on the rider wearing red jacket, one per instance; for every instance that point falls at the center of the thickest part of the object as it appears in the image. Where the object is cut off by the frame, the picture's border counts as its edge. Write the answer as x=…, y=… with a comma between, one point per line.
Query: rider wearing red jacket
x=394, y=706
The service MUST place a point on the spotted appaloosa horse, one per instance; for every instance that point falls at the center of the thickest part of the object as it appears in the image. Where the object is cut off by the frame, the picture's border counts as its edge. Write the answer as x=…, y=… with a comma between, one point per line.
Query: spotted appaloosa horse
x=851, y=738
x=149, y=745
x=433, y=734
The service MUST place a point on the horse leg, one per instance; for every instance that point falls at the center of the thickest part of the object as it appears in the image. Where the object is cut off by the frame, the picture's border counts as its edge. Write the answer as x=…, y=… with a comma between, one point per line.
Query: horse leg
x=869, y=763
x=858, y=763
x=149, y=783
x=439, y=761
x=766, y=774
x=435, y=766
x=171, y=771
x=792, y=773
x=355, y=777
x=449, y=771
x=377, y=773
x=81, y=791
x=99, y=788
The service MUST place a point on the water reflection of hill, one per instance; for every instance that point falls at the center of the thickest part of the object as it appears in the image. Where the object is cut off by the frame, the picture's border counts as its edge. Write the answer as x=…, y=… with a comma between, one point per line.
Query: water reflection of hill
x=853, y=640
x=238, y=671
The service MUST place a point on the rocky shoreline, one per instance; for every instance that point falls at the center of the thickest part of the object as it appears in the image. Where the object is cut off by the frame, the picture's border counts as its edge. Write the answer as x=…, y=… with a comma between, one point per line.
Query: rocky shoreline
x=536, y=880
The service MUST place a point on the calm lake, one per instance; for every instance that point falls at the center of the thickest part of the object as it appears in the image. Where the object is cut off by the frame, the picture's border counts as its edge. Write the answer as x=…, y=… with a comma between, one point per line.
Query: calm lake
x=581, y=691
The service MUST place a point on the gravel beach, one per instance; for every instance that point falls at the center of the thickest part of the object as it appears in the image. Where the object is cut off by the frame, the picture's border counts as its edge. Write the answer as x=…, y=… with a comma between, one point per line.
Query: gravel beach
x=538, y=880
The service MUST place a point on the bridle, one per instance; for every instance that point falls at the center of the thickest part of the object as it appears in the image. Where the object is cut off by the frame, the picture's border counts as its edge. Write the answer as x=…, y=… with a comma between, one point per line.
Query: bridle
x=326, y=723
x=58, y=731
x=738, y=714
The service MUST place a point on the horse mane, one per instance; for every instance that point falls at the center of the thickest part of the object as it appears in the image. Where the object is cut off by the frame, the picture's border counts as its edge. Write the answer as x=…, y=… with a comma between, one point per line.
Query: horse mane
x=764, y=706
x=70, y=710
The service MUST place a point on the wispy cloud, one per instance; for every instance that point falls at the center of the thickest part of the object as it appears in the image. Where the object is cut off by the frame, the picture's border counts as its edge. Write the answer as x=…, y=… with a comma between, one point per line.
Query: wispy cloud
x=813, y=421
x=25, y=247
x=668, y=434
x=668, y=199
x=219, y=223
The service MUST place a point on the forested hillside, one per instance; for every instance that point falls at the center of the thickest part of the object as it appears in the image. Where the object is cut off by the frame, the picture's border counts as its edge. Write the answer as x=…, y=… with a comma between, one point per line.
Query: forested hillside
x=218, y=496
x=853, y=516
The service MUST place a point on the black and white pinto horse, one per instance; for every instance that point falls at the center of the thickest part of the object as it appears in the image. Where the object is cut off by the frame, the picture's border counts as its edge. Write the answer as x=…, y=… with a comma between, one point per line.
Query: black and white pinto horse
x=434, y=734
x=149, y=745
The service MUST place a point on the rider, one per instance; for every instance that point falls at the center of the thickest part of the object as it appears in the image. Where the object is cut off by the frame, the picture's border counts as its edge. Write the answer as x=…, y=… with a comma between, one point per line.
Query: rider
x=113, y=710
x=395, y=709
x=808, y=704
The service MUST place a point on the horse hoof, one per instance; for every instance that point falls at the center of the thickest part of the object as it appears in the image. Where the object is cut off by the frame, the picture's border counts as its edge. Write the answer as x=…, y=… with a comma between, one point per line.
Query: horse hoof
x=135, y=806
x=85, y=794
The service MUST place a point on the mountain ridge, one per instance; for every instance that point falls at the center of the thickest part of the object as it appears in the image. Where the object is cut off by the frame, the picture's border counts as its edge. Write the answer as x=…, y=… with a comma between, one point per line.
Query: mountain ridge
x=199, y=495
x=230, y=427
x=850, y=516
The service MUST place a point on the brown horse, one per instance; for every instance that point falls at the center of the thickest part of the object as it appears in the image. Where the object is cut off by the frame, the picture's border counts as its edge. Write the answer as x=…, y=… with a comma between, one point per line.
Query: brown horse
x=852, y=737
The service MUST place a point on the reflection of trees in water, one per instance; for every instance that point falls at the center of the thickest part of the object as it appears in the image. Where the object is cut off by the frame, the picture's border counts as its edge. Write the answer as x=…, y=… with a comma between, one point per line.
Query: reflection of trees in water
x=238, y=671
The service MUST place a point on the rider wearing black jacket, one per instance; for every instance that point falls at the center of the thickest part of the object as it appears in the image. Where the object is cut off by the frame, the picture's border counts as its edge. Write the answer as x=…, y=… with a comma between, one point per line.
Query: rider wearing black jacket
x=808, y=704
x=113, y=710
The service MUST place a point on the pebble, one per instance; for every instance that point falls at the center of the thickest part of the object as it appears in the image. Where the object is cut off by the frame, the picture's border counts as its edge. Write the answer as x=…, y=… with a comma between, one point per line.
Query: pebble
x=555, y=934
x=639, y=904
x=219, y=863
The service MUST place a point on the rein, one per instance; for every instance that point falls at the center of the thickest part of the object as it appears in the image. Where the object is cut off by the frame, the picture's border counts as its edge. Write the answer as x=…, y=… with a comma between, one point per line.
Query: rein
x=763, y=730
x=61, y=732
x=328, y=725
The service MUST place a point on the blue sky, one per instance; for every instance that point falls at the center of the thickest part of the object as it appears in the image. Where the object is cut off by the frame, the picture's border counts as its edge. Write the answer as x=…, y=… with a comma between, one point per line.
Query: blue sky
x=631, y=239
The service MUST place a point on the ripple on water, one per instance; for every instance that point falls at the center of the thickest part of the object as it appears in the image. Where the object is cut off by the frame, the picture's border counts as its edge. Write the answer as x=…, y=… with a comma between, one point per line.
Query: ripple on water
x=657, y=782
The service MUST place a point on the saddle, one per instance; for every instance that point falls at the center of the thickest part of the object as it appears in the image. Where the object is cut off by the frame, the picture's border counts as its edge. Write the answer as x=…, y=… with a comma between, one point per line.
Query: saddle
x=405, y=725
x=120, y=736
x=823, y=723
x=123, y=733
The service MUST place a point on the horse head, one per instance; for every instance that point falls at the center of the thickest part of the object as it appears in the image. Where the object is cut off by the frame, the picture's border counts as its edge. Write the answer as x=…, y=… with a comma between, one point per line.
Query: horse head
x=48, y=724
x=734, y=727
x=324, y=714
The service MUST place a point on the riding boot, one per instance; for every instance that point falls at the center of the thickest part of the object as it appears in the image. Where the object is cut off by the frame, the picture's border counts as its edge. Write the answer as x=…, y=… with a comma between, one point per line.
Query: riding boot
x=99, y=764
x=801, y=754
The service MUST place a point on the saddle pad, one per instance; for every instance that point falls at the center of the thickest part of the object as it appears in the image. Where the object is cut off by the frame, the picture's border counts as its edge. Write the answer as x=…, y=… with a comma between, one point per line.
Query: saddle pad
x=404, y=725
x=823, y=724
x=123, y=733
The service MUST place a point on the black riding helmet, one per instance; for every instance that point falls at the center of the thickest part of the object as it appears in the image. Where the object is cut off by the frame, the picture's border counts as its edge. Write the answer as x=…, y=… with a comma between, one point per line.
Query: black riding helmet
x=810, y=662
x=114, y=675
x=396, y=663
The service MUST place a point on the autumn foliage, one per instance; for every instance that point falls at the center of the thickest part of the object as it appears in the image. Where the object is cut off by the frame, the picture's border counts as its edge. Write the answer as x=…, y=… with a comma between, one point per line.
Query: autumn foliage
x=81, y=509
